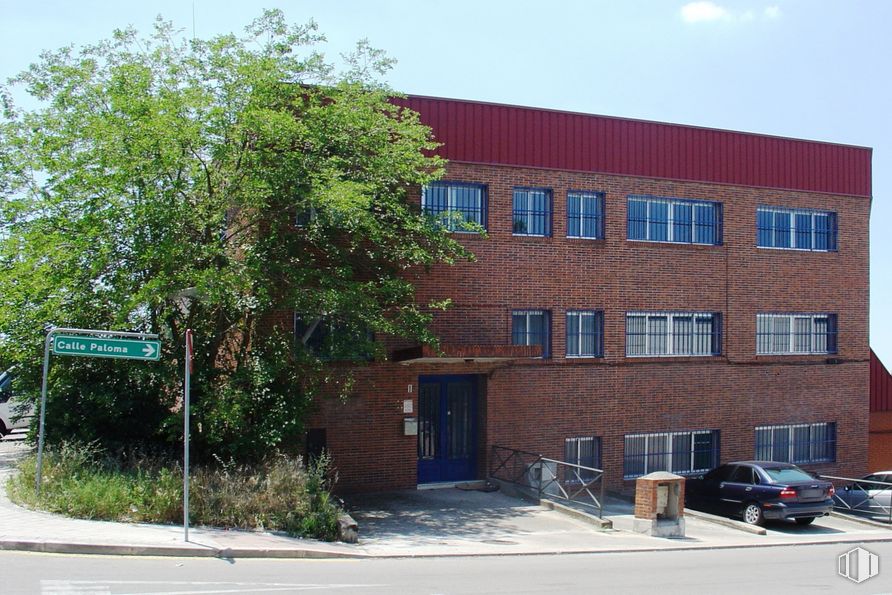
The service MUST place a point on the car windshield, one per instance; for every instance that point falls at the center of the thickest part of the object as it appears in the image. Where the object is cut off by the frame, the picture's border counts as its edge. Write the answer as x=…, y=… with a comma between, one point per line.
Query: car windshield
x=787, y=474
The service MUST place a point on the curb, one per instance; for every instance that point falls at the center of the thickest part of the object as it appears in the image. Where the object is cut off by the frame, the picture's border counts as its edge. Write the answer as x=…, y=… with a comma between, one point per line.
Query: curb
x=725, y=522
x=861, y=520
x=599, y=523
x=56, y=547
x=48, y=547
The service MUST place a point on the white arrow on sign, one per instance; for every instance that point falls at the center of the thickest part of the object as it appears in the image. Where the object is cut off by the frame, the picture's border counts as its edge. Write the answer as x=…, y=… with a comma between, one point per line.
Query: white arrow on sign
x=149, y=350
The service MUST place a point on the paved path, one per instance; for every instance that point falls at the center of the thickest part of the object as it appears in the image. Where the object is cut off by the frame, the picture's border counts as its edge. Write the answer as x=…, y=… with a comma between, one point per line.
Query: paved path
x=446, y=522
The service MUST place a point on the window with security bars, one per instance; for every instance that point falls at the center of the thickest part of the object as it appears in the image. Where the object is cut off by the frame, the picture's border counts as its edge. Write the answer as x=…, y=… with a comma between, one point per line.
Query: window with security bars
x=585, y=215
x=585, y=334
x=457, y=206
x=656, y=219
x=584, y=451
x=797, y=443
x=784, y=334
x=531, y=327
x=678, y=452
x=659, y=334
x=532, y=212
x=796, y=229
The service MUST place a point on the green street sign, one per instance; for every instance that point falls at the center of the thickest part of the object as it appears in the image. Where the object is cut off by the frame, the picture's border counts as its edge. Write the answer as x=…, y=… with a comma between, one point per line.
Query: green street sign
x=113, y=348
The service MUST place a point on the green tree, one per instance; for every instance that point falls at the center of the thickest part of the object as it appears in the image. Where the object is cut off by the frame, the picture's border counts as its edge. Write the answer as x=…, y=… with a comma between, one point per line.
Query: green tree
x=165, y=184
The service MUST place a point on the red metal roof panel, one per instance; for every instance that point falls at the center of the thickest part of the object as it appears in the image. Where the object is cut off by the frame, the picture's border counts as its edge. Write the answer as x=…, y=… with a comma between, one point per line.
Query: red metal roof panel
x=489, y=133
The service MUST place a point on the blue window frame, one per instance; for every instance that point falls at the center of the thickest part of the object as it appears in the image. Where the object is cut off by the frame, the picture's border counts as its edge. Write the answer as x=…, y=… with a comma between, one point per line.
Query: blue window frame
x=797, y=443
x=656, y=219
x=585, y=334
x=457, y=206
x=531, y=327
x=796, y=229
x=532, y=212
x=677, y=452
x=798, y=333
x=585, y=215
x=660, y=334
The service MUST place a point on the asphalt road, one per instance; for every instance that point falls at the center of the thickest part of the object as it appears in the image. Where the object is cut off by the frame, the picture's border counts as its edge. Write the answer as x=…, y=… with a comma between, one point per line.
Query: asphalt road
x=795, y=569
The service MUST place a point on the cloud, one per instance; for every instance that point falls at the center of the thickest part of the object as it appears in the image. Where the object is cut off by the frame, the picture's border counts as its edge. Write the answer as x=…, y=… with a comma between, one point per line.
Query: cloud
x=705, y=11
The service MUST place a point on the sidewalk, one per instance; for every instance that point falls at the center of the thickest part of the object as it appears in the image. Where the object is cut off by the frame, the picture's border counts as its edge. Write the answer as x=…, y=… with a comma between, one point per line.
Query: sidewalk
x=446, y=522
x=28, y=530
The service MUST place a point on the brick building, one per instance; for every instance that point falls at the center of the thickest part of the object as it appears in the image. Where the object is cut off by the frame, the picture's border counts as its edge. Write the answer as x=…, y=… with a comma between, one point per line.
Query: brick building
x=880, y=451
x=648, y=296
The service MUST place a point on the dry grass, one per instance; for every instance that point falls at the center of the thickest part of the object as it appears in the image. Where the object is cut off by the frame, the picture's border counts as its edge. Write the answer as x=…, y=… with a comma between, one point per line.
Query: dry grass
x=280, y=494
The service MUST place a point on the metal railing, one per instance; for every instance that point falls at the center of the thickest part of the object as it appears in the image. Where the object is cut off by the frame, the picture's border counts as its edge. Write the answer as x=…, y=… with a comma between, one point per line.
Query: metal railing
x=548, y=478
x=864, y=497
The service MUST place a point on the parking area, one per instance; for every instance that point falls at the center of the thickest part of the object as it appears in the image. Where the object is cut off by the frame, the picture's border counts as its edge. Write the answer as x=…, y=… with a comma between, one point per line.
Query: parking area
x=453, y=521
x=831, y=525
x=450, y=521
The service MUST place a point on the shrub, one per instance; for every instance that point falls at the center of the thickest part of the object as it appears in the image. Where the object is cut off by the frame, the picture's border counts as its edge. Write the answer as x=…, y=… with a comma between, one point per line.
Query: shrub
x=278, y=494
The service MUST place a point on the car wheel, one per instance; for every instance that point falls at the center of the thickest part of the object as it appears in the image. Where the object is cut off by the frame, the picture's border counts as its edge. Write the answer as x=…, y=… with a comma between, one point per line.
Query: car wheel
x=807, y=521
x=3, y=430
x=752, y=514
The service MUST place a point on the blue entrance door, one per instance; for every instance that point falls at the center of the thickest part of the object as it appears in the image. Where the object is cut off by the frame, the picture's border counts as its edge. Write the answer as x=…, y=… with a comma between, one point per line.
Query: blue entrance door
x=447, y=426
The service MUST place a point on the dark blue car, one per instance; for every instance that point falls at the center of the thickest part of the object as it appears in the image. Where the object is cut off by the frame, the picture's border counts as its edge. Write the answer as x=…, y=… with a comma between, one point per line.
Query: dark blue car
x=760, y=490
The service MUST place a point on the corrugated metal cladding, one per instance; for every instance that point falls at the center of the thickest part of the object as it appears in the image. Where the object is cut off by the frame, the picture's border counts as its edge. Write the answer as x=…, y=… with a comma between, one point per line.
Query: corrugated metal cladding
x=510, y=135
x=880, y=385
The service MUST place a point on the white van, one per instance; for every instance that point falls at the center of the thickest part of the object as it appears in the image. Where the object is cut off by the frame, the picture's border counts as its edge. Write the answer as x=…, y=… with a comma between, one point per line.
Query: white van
x=10, y=407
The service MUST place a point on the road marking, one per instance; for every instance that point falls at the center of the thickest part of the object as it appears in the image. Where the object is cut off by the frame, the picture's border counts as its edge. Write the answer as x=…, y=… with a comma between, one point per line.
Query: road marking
x=100, y=587
x=52, y=587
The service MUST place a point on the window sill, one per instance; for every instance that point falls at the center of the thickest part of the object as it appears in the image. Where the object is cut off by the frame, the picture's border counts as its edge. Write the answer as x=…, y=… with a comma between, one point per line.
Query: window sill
x=680, y=244
x=665, y=359
x=466, y=233
x=790, y=358
x=798, y=354
x=680, y=473
x=585, y=239
x=786, y=249
x=676, y=245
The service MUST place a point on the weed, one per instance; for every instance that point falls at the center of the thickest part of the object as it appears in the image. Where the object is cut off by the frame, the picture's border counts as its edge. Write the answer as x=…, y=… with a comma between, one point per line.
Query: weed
x=280, y=493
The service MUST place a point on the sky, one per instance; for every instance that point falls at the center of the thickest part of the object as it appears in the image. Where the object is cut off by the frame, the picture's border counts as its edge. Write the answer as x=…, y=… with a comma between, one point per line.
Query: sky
x=812, y=69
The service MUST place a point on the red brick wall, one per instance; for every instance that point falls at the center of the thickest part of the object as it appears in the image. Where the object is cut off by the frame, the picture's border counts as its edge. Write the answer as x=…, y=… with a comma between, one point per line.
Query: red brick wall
x=737, y=279
x=532, y=410
x=365, y=431
x=535, y=405
x=880, y=458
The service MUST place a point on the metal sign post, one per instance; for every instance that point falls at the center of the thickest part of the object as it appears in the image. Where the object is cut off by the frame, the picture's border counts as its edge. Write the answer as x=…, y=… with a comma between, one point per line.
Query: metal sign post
x=79, y=342
x=42, y=423
x=186, y=435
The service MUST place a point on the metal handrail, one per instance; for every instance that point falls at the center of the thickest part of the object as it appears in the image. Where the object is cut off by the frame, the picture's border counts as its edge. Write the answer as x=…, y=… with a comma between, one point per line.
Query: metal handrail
x=868, y=504
x=532, y=470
